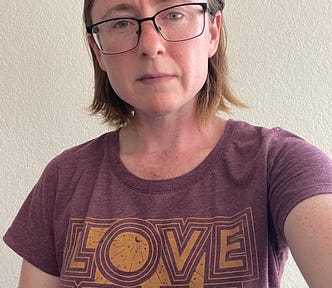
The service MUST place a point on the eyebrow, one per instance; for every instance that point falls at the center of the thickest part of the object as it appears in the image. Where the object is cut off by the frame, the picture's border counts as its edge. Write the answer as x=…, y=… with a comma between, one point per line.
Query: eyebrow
x=162, y=1
x=128, y=7
x=120, y=7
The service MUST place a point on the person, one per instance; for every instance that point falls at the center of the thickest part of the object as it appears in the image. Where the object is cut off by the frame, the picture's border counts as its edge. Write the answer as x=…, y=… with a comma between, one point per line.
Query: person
x=176, y=196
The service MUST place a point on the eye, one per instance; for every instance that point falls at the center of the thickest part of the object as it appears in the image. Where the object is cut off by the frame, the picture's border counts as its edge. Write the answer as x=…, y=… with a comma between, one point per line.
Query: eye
x=174, y=15
x=121, y=24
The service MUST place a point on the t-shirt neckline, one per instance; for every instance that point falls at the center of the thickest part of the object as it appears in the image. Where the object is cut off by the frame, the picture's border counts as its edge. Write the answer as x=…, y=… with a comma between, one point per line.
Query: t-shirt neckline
x=167, y=185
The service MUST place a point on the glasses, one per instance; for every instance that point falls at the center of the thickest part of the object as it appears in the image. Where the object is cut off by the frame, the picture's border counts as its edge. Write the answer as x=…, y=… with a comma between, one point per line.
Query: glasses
x=175, y=24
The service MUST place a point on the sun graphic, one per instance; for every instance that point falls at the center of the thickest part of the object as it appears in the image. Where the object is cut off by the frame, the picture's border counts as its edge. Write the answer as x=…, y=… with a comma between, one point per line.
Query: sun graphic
x=129, y=252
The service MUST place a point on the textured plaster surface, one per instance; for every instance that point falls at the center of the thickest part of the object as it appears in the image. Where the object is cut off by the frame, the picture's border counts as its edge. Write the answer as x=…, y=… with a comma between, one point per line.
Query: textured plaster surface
x=280, y=65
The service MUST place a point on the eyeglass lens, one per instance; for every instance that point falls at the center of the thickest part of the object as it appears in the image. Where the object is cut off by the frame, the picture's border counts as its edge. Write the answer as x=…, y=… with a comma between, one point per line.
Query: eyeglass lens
x=177, y=23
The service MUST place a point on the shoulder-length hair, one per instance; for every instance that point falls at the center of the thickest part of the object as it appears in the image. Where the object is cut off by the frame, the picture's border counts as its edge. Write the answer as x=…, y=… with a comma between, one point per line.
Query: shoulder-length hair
x=215, y=95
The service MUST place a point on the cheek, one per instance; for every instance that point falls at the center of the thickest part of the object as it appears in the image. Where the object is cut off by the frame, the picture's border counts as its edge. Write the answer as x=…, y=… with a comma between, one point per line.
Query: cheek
x=197, y=61
x=118, y=80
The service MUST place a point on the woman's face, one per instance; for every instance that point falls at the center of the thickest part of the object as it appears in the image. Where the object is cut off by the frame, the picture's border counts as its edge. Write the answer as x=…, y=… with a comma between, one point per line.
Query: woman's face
x=158, y=77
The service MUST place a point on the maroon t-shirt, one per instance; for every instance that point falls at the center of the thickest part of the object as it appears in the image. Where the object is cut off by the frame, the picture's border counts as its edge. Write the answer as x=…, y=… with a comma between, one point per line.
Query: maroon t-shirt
x=91, y=222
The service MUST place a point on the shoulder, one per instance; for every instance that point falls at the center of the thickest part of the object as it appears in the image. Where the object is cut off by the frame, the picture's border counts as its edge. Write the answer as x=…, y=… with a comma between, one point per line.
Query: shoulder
x=251, y=142
x=92, y=149
x=275, y=152
x=242, y=131
x=247, y=137
x=85, y=156
x=276, y=141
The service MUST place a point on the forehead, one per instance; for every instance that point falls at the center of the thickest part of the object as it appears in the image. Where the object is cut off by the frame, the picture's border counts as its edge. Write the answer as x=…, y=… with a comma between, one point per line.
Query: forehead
x=105, y=8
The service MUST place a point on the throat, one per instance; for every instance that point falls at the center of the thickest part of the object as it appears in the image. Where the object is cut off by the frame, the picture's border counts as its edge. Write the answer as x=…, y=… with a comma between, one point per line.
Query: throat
x=169, y=156
x=165, y=165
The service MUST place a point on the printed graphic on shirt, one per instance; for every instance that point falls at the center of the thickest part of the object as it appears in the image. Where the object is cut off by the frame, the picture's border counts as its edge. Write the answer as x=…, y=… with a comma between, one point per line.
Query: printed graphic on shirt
x=182, y=253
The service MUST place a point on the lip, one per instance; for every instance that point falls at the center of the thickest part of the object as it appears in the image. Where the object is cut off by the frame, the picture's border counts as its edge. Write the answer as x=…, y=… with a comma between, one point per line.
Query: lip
x=155, y=78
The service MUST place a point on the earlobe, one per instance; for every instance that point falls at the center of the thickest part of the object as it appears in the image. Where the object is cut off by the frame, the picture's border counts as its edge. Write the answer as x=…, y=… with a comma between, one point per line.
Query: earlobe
x=96, y=52
x=215, y=29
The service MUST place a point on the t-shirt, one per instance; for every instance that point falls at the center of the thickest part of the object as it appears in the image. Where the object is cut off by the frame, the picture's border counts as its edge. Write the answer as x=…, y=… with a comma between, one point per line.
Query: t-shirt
x=91, y=222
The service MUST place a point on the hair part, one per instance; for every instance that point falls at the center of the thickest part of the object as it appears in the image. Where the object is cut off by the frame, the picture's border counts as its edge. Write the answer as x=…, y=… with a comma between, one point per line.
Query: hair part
x=215, y=95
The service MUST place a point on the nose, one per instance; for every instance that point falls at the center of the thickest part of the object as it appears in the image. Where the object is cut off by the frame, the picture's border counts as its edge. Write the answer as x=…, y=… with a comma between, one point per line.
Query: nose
x=151, y=43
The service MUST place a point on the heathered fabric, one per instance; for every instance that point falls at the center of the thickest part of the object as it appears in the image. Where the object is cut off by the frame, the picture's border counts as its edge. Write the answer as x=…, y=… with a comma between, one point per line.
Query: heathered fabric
x=94, y=224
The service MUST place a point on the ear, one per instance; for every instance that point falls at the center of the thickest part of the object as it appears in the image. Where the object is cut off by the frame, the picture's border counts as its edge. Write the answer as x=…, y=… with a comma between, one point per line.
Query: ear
x=96, y=51
x=215, y=28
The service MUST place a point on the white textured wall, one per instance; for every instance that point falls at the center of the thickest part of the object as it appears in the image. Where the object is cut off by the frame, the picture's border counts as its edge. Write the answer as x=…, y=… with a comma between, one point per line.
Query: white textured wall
x=280, y=64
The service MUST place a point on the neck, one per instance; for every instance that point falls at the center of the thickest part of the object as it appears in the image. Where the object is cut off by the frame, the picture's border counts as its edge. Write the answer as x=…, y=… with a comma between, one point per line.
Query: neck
x=163, y=134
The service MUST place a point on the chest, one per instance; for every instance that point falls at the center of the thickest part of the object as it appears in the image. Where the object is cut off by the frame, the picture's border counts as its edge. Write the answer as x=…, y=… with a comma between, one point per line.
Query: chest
x=163, y=165
x=161, y=252
x=204, y=233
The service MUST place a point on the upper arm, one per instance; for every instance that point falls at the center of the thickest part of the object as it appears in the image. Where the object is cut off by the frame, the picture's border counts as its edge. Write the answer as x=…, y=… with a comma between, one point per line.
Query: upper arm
x=308, y=231
x=32, y=277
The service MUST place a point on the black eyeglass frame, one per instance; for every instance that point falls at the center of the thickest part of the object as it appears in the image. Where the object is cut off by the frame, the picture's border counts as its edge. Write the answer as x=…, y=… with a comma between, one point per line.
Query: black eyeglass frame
x=140, y=21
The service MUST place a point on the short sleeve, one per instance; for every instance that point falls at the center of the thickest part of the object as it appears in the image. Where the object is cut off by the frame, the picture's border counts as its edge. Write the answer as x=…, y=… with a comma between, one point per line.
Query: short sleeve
x=31, y=234
x=297, y=171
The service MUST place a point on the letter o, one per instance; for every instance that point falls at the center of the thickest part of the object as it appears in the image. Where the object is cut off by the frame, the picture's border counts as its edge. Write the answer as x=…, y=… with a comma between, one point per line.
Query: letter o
x=128, y=253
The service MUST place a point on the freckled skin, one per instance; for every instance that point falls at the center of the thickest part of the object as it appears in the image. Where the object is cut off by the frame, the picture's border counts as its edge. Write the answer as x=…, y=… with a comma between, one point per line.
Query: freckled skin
x=183, y=66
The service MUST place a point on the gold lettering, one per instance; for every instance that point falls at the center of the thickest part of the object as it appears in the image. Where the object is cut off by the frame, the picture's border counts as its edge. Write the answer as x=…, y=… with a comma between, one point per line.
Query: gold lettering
x=74, y=261
x=226, y=248
x=181, y=258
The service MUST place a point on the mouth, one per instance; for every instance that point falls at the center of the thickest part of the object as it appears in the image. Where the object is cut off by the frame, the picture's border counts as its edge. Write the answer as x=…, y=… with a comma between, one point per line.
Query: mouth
x=156, y=77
